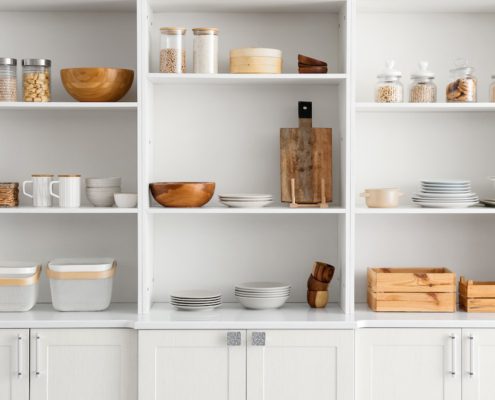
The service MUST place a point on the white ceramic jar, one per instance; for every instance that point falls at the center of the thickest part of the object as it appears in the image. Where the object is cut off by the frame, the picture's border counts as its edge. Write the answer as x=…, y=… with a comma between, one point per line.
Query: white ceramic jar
x=205, y=51
x=69, y=191
x=41, y=190
x=382, y=198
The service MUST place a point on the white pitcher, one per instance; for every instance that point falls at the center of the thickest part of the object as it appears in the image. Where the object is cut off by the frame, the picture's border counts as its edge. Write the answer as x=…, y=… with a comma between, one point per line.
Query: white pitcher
x=41, y=190
x=69, y=191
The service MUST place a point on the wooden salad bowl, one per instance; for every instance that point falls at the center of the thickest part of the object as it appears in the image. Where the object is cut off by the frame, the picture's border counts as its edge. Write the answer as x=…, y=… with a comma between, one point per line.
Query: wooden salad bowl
x=97, y=84
x=182, y=194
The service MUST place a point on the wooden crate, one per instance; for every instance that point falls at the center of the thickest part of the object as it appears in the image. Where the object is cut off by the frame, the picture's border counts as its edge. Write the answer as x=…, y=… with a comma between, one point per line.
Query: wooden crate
x=476, y=296
x=412, y=289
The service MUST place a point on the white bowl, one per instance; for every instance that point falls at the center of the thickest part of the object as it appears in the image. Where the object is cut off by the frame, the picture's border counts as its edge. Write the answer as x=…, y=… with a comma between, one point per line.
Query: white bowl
x=101, y=198
x=125, y=200
x=103, y=182
x=262, y=303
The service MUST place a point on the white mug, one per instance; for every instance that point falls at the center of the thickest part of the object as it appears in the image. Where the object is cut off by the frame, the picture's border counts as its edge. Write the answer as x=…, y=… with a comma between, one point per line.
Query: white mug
x=41, y=190
x=69, y=191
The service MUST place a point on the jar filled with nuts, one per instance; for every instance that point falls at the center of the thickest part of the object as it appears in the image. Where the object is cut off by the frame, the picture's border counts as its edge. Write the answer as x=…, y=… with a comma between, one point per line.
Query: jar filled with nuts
x=389, y=88
x=172, y=51
x=36, y=79
x=462, y=88
x=423, y=89
x=8, y=79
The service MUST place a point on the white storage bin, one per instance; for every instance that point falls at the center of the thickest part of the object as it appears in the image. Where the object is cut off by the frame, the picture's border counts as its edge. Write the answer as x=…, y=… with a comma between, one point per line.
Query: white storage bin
x=18, y=285
x=81, y=284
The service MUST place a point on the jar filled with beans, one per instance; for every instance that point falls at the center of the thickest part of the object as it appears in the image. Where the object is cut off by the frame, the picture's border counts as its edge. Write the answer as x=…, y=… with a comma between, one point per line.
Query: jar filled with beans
x=172, y=51
x=8, y=79
x=389, y=88
x=423, y=89
x=463, y=85
x=36, y=80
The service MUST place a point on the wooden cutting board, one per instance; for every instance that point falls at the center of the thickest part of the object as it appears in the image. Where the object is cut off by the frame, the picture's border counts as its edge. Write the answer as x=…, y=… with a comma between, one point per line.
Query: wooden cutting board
x=306, y=156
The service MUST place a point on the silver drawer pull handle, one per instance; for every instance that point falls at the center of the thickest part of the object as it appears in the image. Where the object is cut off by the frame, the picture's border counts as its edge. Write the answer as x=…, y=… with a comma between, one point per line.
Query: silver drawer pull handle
x=19, y=356
x=258, y=338
x=233, y=338
x=453, y=371
x=38, y=348
x=471, y=355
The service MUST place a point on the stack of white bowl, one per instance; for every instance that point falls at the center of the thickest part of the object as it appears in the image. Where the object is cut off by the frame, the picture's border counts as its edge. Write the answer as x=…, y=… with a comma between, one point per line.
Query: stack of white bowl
x=246, y=200
x=100, y=191
x=262, y=295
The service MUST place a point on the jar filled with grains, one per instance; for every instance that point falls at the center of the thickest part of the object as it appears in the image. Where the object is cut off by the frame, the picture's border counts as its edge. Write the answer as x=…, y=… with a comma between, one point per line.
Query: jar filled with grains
x=423, y=89
x=172, y=51
x=205, y=50
x=389, y=88
x=463, y=86
x=8, y=79
x=36, y=79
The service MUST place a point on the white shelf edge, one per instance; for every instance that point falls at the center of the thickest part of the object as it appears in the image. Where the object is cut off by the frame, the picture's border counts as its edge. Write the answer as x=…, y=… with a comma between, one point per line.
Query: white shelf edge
x=420, y=210
x=227, y=210
x=424, y=107
x=58, y=210
x=68, y=105
x=225, y=78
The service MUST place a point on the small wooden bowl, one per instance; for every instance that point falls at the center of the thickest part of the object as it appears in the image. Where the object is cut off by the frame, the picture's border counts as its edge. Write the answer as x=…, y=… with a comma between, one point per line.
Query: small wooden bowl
x=182, y=194
x=97, y=84
x=315, y=284
x=323, y=272
x=317, y=298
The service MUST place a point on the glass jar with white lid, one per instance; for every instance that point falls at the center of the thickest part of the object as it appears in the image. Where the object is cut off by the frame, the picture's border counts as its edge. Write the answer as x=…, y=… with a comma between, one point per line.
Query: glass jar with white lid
x=423, y=89
x=389, y=88
x=463, y=85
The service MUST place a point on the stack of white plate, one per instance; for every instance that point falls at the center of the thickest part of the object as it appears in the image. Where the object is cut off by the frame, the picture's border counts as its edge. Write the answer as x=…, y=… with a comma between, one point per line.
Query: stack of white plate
x=446, y=194
x=262, y=295
x=196, y=300
x=246, y=200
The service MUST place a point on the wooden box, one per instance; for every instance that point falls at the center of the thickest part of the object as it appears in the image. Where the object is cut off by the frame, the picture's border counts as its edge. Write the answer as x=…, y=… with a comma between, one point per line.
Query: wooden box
x=476, y=296
x=412, y=289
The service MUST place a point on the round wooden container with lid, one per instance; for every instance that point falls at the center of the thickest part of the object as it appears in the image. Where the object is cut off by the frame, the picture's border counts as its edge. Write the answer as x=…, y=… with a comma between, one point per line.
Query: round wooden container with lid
x=255, y=61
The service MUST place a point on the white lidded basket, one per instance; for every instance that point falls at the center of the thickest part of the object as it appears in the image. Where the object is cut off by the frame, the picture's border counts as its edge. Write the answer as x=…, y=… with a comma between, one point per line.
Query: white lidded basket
x=79, y=284
x=18, y=285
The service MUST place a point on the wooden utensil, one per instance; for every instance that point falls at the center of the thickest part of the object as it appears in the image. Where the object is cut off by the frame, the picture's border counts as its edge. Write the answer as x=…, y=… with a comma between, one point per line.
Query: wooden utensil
x=315, y=284
x=306, y=158
x=182, y=194
x=305, y=60
x=317, y=299
x=323, y=272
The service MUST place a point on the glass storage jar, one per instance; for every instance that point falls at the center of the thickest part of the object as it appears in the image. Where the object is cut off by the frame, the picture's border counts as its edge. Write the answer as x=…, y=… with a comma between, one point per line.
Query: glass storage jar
x=492, y=90
x=8, y=79
x=423, y=89
x=36, y=79
x=389, y=88
x=463, y=85
x=172, y=51
x=205, y=50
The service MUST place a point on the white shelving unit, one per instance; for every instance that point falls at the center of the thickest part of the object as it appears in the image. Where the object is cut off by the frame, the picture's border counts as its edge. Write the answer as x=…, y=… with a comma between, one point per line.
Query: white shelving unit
x=225, y=128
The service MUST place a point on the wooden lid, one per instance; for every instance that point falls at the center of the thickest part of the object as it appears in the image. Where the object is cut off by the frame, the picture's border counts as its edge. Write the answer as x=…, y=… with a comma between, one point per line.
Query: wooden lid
x=255, y=52
x=205, y=31
x=173, y=30
x=69, y=176
x=41, y=175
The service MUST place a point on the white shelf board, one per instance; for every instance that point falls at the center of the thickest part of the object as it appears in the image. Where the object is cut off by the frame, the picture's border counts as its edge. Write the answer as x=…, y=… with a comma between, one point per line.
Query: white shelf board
x=67, y=5
x=424, y=107
x=59, y=210
x=222, y=79
x=234, y=316
x=228, y=210
x=421, y=210
x=215, y=6
x=118, y=315
x=430, y=6
x=366, y=318
x=68, y=105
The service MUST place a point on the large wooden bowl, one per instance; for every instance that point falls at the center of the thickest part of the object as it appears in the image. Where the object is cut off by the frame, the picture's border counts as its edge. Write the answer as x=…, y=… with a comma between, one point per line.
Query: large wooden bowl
x=97, y=84
x=182, y=194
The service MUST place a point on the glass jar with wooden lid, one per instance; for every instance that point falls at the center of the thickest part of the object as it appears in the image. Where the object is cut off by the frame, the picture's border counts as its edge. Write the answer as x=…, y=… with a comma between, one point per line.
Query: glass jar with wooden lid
x=172, y=50
x=205, y=51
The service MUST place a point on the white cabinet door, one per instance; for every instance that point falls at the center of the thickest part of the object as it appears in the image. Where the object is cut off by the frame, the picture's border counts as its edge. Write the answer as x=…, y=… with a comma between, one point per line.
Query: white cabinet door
x=408, y=364
x=300, y=364
x=14, y=364
x=83, y=364
x=478, y=347
x=192, y=365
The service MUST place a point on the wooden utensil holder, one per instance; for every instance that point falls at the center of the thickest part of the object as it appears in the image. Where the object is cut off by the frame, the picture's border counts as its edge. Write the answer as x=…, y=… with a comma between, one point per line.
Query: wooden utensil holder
x=475, y=296
x=294, y=204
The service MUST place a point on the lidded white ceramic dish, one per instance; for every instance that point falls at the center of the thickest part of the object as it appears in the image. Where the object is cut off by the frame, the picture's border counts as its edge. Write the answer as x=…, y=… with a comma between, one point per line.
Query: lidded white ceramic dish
x=81, y=284
x=18, y=285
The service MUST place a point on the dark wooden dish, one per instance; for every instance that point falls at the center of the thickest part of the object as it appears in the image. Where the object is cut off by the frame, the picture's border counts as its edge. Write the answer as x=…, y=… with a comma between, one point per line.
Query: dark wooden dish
x=182, y=194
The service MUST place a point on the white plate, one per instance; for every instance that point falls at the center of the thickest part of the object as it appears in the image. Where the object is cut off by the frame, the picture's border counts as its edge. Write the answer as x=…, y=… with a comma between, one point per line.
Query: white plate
x=447, y=205
x=245, y=195
x=443, y=200
x=263, y=296
x=176, y=303
x=464, y=192
x=196, y=294
x=262, y=304
x=446, y=195
x=195, y=301
x=187, y=308
x=263, y=286
x=248, y=204
x=445, y=181
x=246, y=198
x=277, y=291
